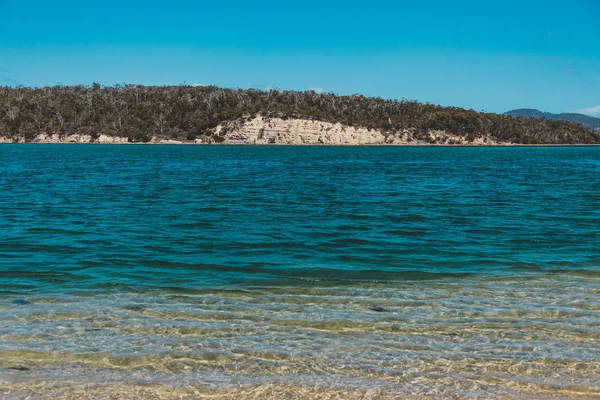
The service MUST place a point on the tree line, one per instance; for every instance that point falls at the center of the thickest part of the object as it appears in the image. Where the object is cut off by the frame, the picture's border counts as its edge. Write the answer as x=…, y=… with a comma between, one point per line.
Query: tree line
x=187, y=113
x=582, y=119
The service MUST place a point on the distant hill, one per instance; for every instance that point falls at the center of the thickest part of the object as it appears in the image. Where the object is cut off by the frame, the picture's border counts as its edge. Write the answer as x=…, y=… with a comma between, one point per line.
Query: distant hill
x=582, y=119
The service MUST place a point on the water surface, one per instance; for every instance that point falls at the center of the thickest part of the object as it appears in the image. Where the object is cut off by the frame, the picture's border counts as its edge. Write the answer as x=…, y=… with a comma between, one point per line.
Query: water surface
x=394, y=271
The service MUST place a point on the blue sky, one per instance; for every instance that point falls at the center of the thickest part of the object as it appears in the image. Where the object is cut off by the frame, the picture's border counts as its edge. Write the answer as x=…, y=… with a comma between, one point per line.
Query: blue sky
x=486, y=55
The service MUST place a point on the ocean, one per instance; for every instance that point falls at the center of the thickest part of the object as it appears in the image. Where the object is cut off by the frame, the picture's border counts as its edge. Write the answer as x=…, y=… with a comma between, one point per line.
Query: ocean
x=156, y=271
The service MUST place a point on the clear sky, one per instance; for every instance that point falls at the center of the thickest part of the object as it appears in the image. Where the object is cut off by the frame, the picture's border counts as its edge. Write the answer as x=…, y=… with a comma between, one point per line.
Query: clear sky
x=487, y=55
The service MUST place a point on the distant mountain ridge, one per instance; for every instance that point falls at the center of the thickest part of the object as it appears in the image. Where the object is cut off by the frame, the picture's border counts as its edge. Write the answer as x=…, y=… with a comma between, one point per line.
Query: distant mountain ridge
x=582, y=119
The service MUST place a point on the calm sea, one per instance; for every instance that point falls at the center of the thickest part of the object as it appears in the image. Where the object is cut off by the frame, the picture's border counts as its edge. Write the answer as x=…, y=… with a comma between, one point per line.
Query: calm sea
x=431, y=271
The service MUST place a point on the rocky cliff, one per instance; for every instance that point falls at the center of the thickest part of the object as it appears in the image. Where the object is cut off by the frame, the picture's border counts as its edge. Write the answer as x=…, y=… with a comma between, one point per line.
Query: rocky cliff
x=260, y=130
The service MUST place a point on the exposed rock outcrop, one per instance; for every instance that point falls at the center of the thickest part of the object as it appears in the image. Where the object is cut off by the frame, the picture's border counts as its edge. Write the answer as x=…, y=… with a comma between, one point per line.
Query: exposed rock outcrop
x=295, y=131
x=111, y=139
x=261, y=130
x=74, y=138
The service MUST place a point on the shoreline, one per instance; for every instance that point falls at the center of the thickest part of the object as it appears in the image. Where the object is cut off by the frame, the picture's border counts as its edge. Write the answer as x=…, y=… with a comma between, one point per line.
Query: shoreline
x=293, y=132
x=190, y=143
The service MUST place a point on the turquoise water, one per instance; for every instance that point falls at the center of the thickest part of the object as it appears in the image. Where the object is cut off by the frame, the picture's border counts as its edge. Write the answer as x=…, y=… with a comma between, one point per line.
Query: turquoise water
x=405, y=270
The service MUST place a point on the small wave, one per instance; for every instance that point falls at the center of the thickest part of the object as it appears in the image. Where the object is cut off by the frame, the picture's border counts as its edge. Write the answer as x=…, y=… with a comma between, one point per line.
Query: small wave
x=374, y=276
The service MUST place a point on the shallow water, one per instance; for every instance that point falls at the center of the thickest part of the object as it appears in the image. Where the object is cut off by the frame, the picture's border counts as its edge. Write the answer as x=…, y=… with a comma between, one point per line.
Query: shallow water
x=424, y=271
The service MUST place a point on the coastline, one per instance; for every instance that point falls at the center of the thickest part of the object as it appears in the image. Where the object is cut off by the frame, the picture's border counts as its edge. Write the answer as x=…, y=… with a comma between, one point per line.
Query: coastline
x=192, y=143
x=281, y=132
x=290, y=132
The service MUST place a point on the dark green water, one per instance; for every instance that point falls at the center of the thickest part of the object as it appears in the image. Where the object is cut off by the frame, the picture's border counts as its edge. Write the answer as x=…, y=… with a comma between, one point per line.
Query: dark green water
x=416, y=270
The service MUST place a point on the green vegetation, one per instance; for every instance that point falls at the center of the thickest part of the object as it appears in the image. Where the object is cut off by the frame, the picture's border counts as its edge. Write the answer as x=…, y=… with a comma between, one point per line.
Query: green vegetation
x=186, y=113
x=582, y=119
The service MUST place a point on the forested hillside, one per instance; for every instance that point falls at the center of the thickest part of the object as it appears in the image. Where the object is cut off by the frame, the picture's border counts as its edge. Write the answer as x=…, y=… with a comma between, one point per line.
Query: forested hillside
x=582, y=119
x=186, y=113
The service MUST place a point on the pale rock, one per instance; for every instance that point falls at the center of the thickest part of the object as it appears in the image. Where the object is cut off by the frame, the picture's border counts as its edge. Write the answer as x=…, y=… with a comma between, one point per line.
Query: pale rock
x=111, y=139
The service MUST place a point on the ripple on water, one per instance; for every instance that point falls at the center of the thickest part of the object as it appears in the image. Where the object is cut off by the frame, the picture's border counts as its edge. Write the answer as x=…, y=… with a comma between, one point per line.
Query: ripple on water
x=262, y=272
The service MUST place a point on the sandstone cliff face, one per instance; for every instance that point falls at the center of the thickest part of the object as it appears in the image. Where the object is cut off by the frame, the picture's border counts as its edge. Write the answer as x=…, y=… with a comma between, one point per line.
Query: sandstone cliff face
x=75, y=138
x=295, y=132
x=111, y=139
x=260, y=130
